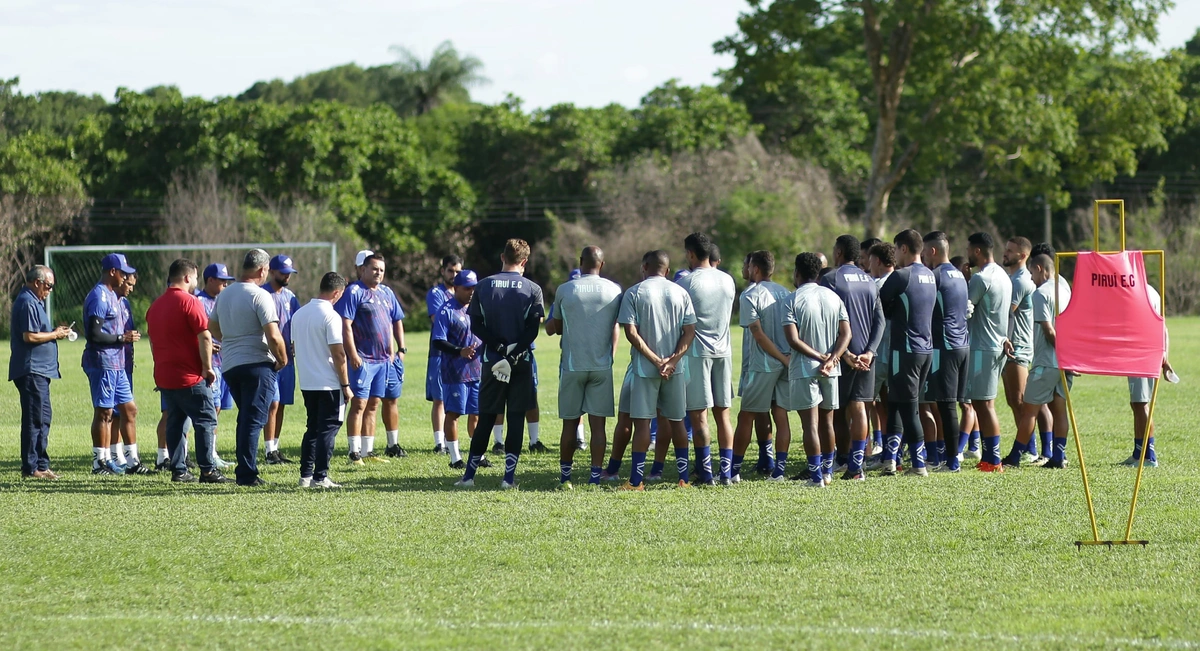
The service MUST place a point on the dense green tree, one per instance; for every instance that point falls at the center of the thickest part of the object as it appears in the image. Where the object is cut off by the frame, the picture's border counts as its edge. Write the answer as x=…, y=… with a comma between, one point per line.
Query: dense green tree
x=928, y=66
x=55, y=113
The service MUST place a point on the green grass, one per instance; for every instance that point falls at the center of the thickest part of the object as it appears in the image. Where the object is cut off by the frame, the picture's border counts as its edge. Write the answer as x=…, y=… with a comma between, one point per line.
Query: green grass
x=399, y=560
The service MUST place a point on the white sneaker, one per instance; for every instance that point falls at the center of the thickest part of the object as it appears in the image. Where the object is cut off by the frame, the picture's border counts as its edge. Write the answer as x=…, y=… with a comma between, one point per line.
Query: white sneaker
x=827, y=479
x=325, y=483
x=944, y=468
x=874, y=463
x=775, y=478
x=306, y=482
x=505, y=486
x=221, y=464
x=889, y=467
x=917, y=472
x=876, y=450
x=736, y=479
x=814, y=484
x=1028, y=459
x=973, y=454
x=840, y=468
x=465, y=483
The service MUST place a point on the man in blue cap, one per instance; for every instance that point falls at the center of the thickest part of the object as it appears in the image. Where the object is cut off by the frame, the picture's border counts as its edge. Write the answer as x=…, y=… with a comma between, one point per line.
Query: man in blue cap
x=286, y=304
x=106, y=334
x=461, y=363
x=121, y=430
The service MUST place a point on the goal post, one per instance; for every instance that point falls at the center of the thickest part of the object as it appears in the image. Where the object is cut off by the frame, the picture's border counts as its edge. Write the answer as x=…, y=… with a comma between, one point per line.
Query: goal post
x=77, y=270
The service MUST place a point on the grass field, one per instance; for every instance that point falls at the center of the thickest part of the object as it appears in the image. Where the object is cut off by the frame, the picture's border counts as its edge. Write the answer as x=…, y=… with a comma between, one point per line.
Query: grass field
x=398, y=559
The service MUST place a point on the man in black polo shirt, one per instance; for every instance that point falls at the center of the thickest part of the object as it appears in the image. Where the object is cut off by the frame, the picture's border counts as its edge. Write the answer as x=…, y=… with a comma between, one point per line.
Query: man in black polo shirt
x=34, y=362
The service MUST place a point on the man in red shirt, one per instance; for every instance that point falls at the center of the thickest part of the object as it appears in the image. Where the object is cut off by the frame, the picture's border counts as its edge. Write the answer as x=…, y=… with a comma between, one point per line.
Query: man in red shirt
x=183, y=371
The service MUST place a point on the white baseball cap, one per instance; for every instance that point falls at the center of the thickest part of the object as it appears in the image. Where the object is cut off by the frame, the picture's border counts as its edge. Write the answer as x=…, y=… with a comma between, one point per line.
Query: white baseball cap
x=362, y=257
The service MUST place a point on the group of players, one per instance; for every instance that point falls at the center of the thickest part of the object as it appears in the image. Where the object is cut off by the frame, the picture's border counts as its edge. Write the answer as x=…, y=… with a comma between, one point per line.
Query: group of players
x=895, y=338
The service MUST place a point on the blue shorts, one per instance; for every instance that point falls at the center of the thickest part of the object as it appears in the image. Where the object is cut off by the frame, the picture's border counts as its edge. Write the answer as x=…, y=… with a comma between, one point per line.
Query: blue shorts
x=377, y=380
x=109, y=388
x=461, y=398
x=220, y=394
x=433, y=379
x=285, y=385
x=533, y=360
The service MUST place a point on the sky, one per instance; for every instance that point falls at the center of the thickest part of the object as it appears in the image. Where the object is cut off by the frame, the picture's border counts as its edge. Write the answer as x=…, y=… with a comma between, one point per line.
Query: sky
x=588, y=52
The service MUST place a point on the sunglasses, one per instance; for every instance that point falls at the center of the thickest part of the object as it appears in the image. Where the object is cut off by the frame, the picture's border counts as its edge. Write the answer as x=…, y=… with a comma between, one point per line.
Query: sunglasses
x=48, y=286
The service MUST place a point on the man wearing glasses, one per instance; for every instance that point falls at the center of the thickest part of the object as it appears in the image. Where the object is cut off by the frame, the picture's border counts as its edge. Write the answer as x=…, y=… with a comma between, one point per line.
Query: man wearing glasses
x=33, y=363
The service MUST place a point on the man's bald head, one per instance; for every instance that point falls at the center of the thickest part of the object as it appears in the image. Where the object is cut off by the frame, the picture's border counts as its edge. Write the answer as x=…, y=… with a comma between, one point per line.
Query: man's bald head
x=591, y=260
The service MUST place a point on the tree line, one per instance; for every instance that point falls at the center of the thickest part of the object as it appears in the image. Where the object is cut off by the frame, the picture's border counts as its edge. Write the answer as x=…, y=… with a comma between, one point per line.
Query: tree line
x=859, y=116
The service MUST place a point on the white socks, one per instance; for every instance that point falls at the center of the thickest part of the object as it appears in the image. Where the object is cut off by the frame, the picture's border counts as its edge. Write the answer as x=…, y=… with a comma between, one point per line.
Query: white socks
x=272, y=445
x=455, y=455
x=163, y=455
x=533, y=433
x=115, y=452
x=498, y=434
x=439, y=438
x=355, y=444
x=368, y=445
x=131, y=453
x=98, y=456
x=579, y=433
x=393, y=437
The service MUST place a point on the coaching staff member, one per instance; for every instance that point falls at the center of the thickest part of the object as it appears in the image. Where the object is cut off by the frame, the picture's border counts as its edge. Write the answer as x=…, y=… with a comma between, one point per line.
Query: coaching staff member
x=324, y=379
x=33, y=363
x=252, y=352
x=183, y=370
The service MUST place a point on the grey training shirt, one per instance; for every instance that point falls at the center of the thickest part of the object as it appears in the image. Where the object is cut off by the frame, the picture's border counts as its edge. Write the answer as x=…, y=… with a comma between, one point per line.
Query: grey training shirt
x=712, y=292
x=241, y=311
x=990, y=291
x=588, y=308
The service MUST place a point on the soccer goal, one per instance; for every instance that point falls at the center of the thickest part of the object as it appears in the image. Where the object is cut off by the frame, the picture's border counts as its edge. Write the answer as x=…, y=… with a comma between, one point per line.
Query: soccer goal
x=77, y=270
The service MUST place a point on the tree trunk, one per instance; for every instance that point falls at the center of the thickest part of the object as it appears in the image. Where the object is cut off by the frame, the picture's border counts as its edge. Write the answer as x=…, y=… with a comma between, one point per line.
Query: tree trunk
x=878, y=191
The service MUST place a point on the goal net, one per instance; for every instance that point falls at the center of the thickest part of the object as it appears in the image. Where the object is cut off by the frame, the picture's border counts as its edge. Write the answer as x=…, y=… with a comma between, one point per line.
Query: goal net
x=77, y=270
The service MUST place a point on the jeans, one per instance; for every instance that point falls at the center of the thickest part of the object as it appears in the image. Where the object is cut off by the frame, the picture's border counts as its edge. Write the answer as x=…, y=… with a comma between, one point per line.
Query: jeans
x=35, y=421
x=195, y=403
x=326, y=409
x=252, y=386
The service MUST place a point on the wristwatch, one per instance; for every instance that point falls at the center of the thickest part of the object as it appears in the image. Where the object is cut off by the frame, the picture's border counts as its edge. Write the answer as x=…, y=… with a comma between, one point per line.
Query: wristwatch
x=403, y=350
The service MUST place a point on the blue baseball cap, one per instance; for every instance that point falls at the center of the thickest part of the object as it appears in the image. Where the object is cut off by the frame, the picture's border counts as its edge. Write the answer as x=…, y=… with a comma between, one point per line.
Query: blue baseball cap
x=575, y=275
x=466, y=278
x=117, y=261
x=218, y=271
x=680, y=274
x=282, y=264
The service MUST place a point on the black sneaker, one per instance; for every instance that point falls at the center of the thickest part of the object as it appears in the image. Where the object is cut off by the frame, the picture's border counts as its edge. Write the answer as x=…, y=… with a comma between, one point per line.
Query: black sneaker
x=437, y=449
x=803, y=475
x=853, y=476
x=458, y=465
x=140, y=469
x=356, y=459
x=395, y=451
x=484, y=463
x=214, y=477
x=538, y=448
x=191, y=465
x=102, y=469
x=165, y=464
x=184, y=477
x=498, y=448
x=1011, y=461
x=257, y=482
x=763, y=470
x=282, y=459
x=272, y=458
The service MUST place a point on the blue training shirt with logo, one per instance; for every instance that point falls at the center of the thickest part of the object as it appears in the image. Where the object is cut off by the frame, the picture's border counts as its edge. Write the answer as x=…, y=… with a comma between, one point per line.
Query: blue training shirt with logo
x=857, y=290
x=286, y=305
x=209, y=302
x=104, y=304
x=950, y=311
x=453, y=326
x=371, y=312
x=908, y=298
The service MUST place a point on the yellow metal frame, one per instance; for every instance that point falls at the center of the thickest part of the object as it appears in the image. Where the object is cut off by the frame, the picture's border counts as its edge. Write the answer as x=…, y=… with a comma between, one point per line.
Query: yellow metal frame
x=1137, y=484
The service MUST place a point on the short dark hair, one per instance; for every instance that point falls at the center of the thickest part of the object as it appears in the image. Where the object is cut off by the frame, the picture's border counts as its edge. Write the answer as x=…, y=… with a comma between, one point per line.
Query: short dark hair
x=516, y=251
x=332, y=281
x=937, y=237
x=699, y=245
x=762, y=260
x=1041, y=260
x=849, y=246
x=714, y=254
x=808, y=266
x=1042, y=248
x=910, y=239
x=657, y=260
x=180, y=268
x=866, y=244
x=449, y=260
x=373, y=256
x=884, y=253
x=982, y=240
x=1023, y=244
x=958, y=261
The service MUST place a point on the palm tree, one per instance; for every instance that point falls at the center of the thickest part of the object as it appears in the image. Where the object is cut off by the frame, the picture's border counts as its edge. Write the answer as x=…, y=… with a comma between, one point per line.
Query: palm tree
x=444, y=78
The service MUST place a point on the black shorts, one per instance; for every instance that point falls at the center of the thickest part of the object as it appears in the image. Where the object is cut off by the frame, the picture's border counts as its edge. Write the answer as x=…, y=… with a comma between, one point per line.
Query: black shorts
x=909, y=371
x=855, y=385
x=518, y=394
x=948, y=376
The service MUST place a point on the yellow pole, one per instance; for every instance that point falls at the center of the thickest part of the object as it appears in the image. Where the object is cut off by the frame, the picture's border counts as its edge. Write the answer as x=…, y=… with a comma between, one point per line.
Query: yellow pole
x=1087, y=489
x=1137, y=483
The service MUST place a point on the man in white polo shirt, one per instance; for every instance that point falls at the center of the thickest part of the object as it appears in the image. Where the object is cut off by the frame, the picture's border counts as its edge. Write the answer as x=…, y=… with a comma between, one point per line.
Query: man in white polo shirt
x=324, y=379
